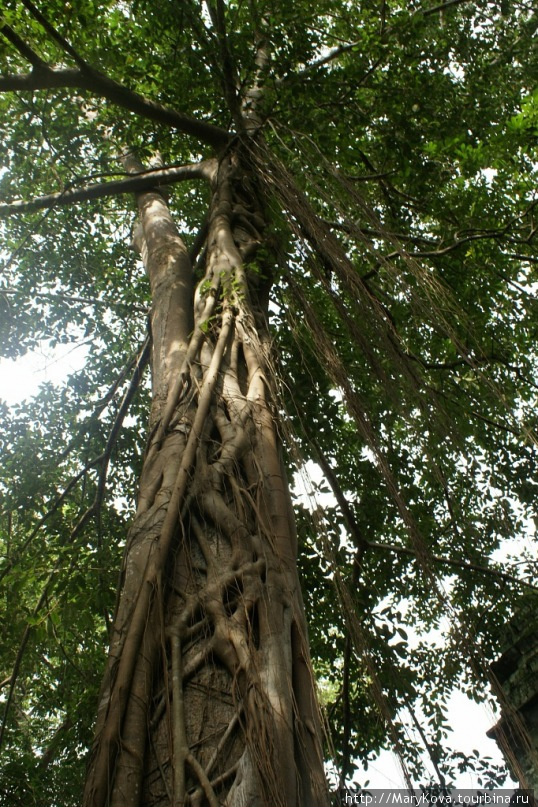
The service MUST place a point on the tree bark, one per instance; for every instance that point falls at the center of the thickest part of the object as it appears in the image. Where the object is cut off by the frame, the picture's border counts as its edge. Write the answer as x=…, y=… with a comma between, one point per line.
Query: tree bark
x=208, y=696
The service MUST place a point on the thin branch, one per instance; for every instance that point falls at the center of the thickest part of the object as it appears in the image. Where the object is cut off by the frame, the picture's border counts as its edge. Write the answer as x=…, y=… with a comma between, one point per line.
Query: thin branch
x=329, y=57
x=441, y=7
x=223, y=740
x=334, y=53
x=50, y=753
x=492, y=234
x=479, y=416
x=202, y=778
x=53, y=33
x=427, y=745
x=468, y=361
x=229, y=71
x=198, y=243
x=371, y=177
x=104, y=458
x=69, y=298
x=375, y=232
x=140, y=366
x=360, y=541
x=460, y=564
x=23, y=48
x=105, y=399
x=133, y=184
x=519, y=256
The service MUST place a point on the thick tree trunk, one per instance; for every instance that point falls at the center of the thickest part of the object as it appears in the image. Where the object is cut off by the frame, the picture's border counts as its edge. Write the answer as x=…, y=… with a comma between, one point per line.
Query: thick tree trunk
x=208, y=696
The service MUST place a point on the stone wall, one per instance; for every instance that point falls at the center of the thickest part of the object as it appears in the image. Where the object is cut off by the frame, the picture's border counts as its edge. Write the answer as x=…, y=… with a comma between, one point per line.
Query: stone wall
x=515, y=675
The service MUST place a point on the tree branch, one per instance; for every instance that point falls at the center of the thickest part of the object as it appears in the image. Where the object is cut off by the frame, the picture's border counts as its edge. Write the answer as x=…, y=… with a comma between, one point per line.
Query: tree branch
x=202, y=778
x=44, y=77
x=141, y=362
x=133, y=184
x=24, y=49
x=334, y=53
x=88, y=78
x=70, y=298
x=229, y=72
x=441, y=7
x=51, y=752
x=359, y=539
x=459, y=564
x=53, y=33
x=104, y=459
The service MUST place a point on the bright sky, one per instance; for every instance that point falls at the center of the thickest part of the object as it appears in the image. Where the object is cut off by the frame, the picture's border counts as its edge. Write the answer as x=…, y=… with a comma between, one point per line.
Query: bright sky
x=21, y=378
x=470, y=721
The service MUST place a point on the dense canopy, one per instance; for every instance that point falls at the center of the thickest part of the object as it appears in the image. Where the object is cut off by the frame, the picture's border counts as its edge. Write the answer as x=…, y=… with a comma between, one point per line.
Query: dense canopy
x=390, y=149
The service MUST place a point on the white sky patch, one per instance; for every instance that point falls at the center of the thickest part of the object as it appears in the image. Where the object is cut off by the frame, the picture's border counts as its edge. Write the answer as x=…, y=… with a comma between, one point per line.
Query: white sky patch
x=489, y=174
x=305, y=487
x=469, y=722
x=21, y=378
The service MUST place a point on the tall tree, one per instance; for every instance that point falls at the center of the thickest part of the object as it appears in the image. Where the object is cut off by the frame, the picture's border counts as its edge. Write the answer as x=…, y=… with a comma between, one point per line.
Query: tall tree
x=331, y=258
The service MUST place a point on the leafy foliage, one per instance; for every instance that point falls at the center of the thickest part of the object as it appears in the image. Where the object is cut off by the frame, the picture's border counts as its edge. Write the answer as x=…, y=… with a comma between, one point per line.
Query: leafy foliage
x=404, y=323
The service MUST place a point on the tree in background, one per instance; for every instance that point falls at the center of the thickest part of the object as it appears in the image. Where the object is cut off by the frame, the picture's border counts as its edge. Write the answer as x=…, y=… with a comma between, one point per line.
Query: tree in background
x=330, y=256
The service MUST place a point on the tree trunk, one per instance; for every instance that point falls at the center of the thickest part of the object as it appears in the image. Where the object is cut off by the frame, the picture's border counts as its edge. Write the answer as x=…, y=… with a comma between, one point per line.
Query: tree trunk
x=208, y=695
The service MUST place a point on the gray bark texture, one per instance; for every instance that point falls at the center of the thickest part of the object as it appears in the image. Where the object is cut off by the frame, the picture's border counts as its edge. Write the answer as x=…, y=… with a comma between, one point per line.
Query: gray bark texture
x=208, y=696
